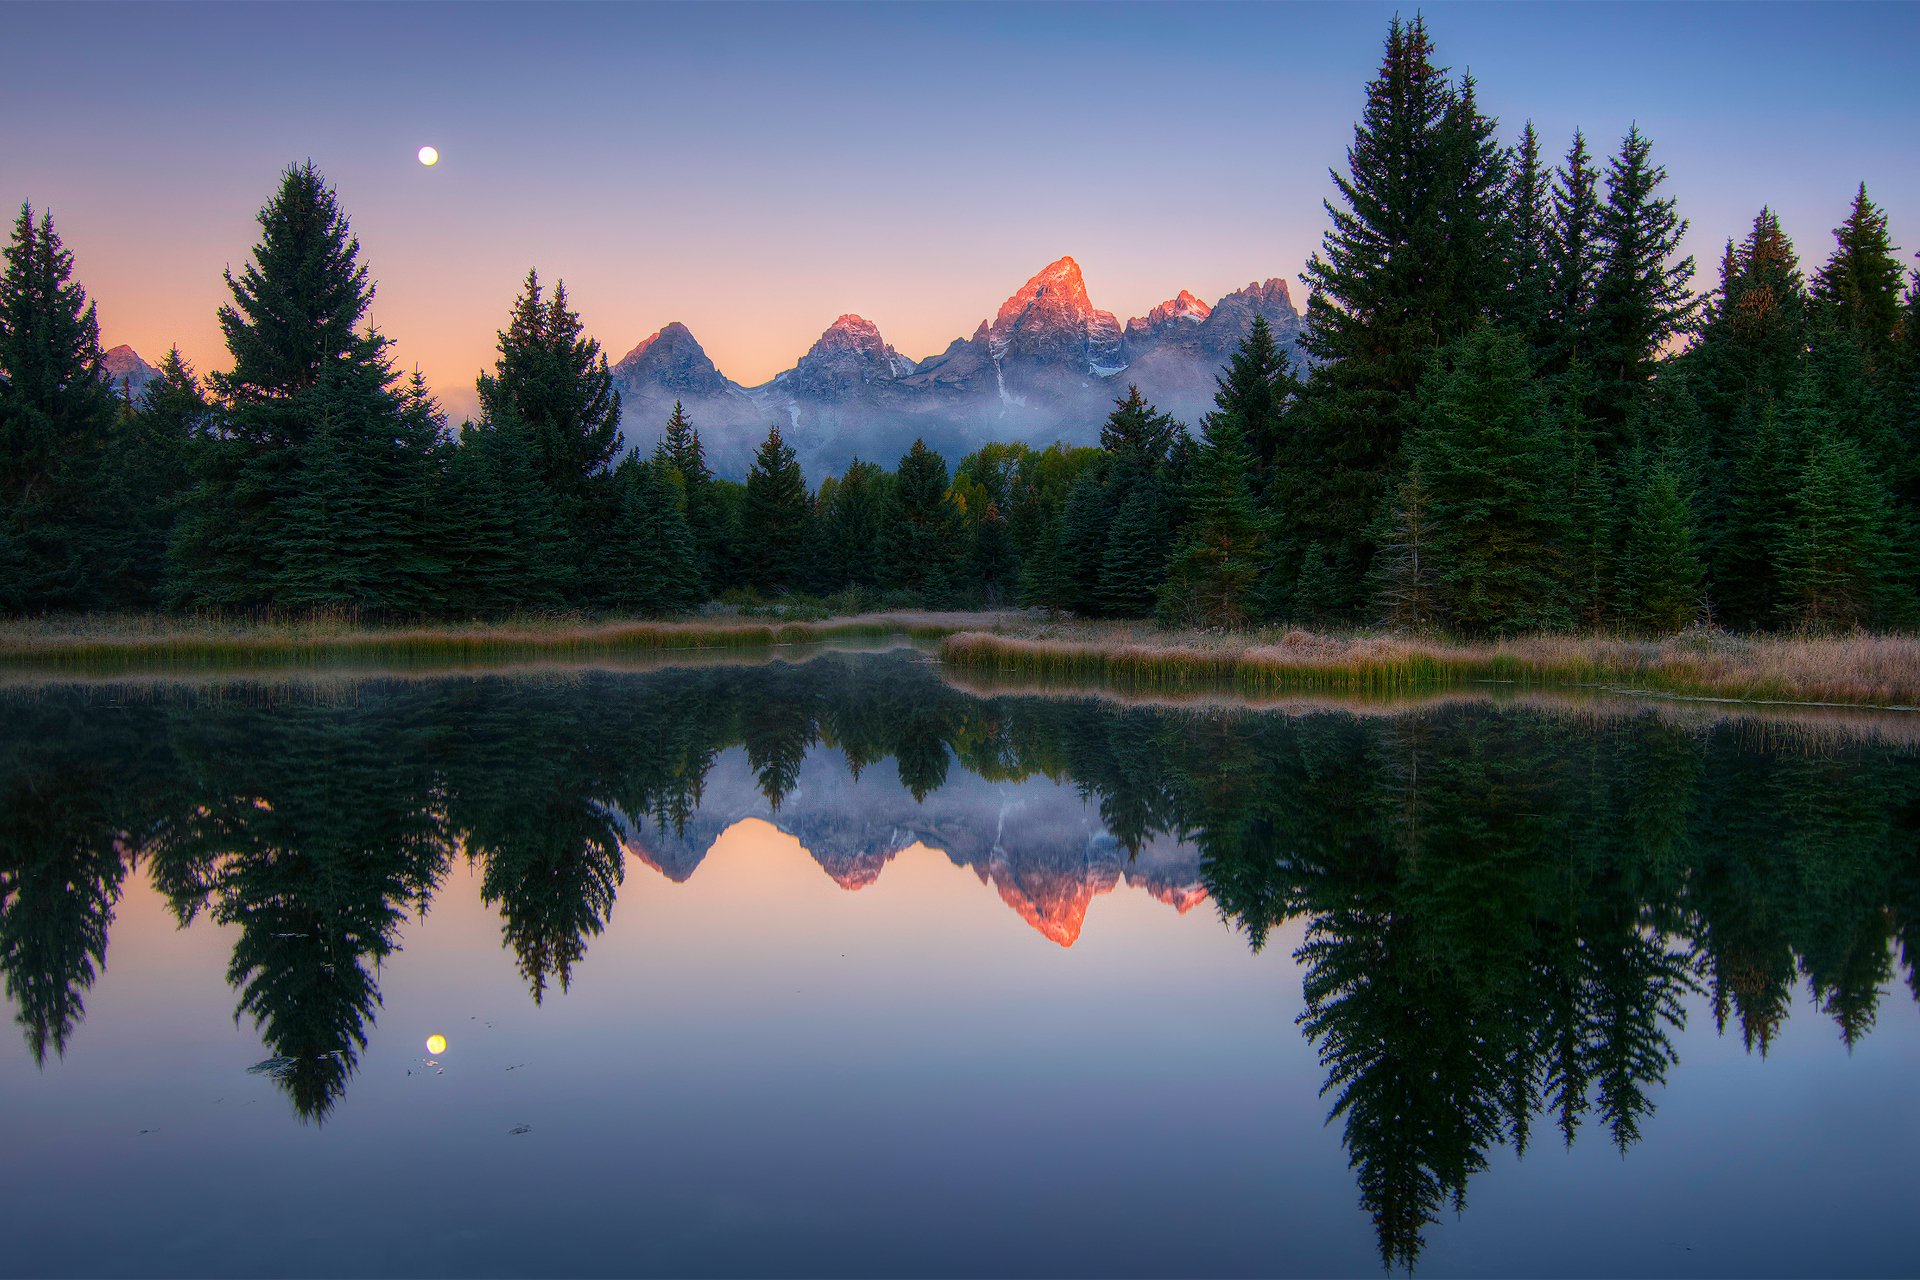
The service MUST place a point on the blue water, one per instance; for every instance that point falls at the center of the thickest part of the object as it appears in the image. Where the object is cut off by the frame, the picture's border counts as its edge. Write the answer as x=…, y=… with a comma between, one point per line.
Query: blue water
x=832, y=967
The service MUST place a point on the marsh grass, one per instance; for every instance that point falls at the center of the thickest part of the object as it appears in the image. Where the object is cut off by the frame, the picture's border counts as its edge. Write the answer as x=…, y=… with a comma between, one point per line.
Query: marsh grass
x=125, y=645
x=1862, y=670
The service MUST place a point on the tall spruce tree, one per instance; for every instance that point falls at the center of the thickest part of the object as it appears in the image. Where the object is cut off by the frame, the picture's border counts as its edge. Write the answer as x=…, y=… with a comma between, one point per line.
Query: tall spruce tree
x=1837, y=561
x=56, y=417
x=852, y=515
x=1660, y=572
x=647, y=563
x=1573, y=259
x=1642, y=297
x=507, y=548
x=552, y=382
x=1530, y=212
x=1133, y=564
x=1416, y=256
x=681, y=452
x=774, y=517
x=1494, y=459
x=145, y=477
x=1219, y=558
x=920, y=539
x=1859, y=287
x=1254, y=391
x=311, y=395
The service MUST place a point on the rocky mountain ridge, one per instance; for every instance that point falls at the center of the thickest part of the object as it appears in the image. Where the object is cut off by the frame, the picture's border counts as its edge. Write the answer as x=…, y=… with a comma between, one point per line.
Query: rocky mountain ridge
x=1046, y=366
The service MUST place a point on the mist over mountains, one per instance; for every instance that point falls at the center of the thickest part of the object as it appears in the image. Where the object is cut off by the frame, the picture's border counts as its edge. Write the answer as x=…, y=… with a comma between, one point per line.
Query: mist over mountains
x=1047, y=366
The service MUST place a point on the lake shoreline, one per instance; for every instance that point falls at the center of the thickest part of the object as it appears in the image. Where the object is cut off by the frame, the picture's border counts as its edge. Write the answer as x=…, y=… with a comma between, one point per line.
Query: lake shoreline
x=1879, y=672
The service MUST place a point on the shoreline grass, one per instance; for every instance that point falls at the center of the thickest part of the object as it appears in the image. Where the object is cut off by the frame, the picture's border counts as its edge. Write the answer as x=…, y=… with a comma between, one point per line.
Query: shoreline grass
x=1881, y=672
x=117, y=645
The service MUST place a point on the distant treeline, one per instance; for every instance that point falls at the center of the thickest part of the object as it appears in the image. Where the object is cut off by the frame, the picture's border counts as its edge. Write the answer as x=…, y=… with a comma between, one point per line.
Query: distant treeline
x=1517, y=415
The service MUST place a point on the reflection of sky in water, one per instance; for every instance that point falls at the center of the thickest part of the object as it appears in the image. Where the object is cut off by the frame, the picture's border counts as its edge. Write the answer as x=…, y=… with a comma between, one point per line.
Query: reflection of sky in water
x=756, y=1069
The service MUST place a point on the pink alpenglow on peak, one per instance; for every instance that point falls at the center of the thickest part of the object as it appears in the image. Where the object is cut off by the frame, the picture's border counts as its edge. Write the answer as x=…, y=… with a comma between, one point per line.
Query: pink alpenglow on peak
x=1183, y=307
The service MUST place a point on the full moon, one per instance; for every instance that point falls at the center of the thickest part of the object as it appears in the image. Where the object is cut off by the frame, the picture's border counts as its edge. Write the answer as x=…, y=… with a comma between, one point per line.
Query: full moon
x=429, y=156
x=436, y=1045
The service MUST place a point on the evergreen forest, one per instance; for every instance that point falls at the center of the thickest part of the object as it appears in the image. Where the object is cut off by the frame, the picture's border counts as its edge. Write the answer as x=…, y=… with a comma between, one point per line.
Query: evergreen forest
x=1518, y=408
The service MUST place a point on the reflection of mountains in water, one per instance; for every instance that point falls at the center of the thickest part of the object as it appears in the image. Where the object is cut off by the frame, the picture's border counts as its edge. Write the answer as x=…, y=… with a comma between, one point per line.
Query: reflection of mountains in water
x=1037, y=842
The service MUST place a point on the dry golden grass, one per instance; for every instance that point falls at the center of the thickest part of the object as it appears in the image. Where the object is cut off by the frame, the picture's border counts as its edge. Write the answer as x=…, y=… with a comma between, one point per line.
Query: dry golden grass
x=1863, y=670
x=114, y=645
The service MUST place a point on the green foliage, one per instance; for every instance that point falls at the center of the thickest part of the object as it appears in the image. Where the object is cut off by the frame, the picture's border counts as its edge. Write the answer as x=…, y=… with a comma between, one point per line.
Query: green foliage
x=56, y=418
x=1837, y=559
x=317, y=487
x=1858, y=289
x=1133, y=564
x=1253, y=392
x=1416, y=256
x=1573, y=259
x=1660, y=572
x=552, y=383
x=1642, y=295
x=1218, y=560
x=920, y=536
x=853, y=511
x=1495, y=464
x=647, y=561
x=774, y=517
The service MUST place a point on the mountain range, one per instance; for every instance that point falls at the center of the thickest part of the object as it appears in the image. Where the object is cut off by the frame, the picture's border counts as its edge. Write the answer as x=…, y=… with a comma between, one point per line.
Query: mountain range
x=1047, y=366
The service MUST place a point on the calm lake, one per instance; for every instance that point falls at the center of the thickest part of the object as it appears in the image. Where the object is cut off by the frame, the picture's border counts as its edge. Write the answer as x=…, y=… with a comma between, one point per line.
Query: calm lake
x=828, y=966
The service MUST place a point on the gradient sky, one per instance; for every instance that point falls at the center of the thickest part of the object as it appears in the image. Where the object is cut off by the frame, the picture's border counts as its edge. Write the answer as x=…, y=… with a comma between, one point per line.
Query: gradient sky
x=756, y=171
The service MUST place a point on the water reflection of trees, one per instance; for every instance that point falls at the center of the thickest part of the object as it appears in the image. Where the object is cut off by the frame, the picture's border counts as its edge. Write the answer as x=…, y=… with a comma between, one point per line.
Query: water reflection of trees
x=1501, y=911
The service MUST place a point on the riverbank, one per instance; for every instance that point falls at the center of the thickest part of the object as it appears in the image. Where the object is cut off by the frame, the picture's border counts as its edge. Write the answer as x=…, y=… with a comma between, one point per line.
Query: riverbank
x=1856, y=671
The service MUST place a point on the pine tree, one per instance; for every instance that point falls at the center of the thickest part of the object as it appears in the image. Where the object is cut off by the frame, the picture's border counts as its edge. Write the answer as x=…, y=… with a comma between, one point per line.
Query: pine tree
x=1416, y=255
x=920, y=539
x=680, y=448
x=1405, y=570
x=1759, y=515
x=552, y=382
x=1642, y=297
x=681, y=452
x=1253, y=393
x=1573, y=253
x=852, y=514
x=1134, y=562
x=1217, y=563
x=774, y=517
x=507, y=550
x=1137, y=436
x=648, y=563
x=1529, y=209
x=146, y=475
x=1495, y=462
x=1859, y=287
x=1659, y=570
x=1081, y=545
x=1591, y=512
x=250, y=534
x=56, y=415
x=1836, y=568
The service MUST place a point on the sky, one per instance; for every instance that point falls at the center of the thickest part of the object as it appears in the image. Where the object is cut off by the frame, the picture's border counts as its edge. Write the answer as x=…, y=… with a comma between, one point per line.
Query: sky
x=754, y=172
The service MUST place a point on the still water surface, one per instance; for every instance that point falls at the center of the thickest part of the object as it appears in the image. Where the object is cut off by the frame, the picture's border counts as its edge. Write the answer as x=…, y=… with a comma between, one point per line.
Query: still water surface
x=829, y=967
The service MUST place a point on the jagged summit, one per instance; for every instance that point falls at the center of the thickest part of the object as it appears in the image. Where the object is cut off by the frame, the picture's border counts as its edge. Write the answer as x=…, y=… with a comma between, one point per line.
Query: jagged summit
x=672, y=360
x=1182, y=307
x=1045, y=366
x=124, y=365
